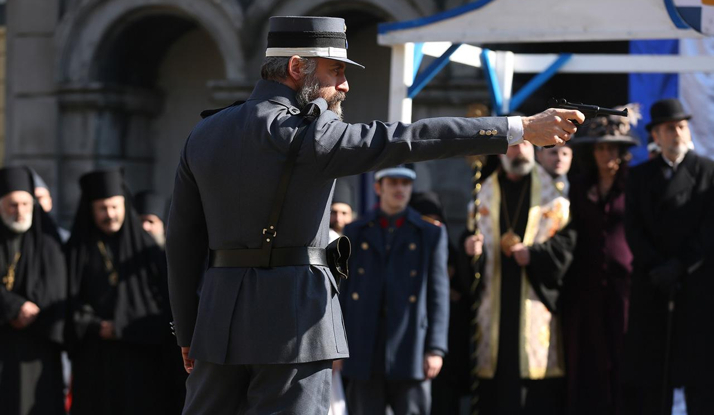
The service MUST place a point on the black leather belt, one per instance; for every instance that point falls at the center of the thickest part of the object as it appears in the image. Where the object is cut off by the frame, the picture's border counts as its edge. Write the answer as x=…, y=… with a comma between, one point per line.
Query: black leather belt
x=279, y=257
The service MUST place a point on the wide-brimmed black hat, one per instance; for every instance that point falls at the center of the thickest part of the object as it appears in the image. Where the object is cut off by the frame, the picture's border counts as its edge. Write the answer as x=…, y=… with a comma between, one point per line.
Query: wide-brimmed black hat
x=609, y=129
x=308, y=36
x=666, y=110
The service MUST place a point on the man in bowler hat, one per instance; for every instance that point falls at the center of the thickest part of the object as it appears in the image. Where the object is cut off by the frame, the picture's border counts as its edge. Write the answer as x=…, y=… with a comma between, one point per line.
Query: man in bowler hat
x=668, y=223
x=267, y=324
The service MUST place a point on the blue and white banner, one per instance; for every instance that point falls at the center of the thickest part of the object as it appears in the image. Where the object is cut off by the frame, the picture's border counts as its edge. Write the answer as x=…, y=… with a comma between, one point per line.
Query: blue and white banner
x=695, y=90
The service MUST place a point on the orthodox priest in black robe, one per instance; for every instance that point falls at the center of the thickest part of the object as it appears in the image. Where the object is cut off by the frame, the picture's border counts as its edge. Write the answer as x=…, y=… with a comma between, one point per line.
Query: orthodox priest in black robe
x=118, y=300
x=32, y=302
x=526, y=252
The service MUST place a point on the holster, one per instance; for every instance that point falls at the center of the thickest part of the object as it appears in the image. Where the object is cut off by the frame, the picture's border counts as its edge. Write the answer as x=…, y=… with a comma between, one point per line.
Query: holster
x=338, y=254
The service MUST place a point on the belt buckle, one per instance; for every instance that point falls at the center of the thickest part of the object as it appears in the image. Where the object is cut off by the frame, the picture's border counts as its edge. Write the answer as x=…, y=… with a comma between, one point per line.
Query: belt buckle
x=270, y=232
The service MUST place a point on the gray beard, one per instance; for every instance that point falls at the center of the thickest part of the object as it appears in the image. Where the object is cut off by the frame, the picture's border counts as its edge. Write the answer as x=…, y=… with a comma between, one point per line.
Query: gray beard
x=310, y=91
x=521, y=169
x=16, y=226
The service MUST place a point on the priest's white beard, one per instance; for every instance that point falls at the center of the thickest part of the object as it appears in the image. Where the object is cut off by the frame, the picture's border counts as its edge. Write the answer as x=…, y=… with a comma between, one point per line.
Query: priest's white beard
x=520, y=166
x=17, y=226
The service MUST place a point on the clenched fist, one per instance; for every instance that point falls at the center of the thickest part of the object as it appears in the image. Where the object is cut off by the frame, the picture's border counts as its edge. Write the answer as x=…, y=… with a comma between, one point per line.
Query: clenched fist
x=26, y=316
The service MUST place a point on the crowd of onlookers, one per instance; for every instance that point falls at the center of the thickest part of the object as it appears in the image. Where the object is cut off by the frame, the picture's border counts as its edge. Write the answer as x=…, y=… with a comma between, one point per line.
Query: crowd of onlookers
x=582, y=287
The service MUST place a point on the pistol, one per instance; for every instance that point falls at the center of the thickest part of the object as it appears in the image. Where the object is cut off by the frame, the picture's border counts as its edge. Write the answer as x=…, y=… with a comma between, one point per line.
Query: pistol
x=589, y=111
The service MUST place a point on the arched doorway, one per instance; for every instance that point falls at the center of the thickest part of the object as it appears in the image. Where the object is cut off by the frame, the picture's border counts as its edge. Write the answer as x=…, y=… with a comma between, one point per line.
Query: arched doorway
x=145, y=85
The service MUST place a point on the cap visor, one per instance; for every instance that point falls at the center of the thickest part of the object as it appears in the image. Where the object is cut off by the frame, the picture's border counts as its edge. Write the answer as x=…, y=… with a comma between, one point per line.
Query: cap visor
x=344, y=60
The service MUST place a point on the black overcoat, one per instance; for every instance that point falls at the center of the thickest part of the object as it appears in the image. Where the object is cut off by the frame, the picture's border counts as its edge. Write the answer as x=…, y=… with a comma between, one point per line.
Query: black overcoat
x=665, y=219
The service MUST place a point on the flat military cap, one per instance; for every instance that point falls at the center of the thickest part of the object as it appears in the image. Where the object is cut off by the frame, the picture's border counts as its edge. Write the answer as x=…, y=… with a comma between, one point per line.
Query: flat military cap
x=403, y=171
x=307, y=36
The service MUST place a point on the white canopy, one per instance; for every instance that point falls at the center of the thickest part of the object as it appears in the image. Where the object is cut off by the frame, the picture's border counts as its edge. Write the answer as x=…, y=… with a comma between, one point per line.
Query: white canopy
x=519, y=21
x=523, y=21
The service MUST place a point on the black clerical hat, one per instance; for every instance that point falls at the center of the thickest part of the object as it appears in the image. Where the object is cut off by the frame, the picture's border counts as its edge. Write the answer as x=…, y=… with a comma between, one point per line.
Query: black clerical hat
x=102, y=184
x=307, y=36
x=149, y=203
x=343, y=193
x=14, y=179
x=665, y=110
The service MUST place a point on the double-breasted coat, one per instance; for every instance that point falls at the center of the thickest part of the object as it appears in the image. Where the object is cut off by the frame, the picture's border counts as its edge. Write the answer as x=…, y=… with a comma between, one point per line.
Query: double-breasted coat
x=666, y=219
x=223, y=194
x=409, y=280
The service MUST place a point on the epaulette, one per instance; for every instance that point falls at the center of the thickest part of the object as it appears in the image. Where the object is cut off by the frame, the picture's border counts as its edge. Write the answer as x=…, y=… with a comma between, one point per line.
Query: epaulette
x=208, y=113
x=431, y=220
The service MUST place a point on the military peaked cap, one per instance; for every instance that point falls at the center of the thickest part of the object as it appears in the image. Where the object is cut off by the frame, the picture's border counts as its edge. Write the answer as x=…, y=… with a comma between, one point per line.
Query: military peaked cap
x=307, y=36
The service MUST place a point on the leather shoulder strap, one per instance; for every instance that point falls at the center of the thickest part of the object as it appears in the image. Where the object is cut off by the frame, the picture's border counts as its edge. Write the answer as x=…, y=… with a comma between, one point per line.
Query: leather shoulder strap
x=270, y=232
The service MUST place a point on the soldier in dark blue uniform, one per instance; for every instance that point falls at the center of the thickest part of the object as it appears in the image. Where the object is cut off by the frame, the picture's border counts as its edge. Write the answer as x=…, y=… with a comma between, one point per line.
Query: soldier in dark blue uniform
x=262, y=335
x=396, y=305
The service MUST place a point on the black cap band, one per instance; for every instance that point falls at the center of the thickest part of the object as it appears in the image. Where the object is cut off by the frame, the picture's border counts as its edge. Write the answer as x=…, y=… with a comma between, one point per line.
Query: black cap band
x=307, y=40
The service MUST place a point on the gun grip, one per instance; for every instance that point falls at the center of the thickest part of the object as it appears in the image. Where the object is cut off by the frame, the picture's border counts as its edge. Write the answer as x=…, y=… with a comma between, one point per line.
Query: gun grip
x=574, y=122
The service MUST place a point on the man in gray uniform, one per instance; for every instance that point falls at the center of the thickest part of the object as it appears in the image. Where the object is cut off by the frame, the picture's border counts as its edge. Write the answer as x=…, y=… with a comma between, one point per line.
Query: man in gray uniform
x=261, y=336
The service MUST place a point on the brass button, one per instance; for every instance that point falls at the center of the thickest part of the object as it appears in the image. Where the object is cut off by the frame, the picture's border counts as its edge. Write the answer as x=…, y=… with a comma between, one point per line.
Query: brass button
x=391, y=230
x=412, y=246
x=360, y=271
x=412, y=299
x=489, y=132
x=482, y=132
x=413, y=273
x=494, y=132
x=365, y=246
x=355, y=296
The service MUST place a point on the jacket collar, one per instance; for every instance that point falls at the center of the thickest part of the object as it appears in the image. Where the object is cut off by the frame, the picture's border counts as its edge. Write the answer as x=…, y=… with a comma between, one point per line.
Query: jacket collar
x=283, y=94
x=272, y=90
x=411, y=216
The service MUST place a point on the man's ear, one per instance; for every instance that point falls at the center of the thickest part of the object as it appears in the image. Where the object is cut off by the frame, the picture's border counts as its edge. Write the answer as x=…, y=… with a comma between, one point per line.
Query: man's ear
x=655, y=134
x=378, y=188
x=295, y=69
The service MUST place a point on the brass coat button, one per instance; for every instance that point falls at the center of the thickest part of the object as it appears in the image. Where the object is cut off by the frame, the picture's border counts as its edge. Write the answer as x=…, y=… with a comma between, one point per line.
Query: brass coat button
x=412, y=299
x=413, y=273
x=365, y=246
x=494, y=132
x=360, y=271
x=355, y=296
x=482, y=132
x=412, y=246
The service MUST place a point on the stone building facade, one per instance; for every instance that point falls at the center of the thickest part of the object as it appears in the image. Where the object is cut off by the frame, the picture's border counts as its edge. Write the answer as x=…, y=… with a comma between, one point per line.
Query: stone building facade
x=96, y=83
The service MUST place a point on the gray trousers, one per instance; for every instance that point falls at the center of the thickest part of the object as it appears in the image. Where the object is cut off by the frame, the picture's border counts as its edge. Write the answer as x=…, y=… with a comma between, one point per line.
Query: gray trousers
x=405, y=397
x=298, y=389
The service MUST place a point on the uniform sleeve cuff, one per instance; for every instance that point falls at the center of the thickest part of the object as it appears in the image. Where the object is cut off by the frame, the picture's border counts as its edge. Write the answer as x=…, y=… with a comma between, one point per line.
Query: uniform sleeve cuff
x=515, y=130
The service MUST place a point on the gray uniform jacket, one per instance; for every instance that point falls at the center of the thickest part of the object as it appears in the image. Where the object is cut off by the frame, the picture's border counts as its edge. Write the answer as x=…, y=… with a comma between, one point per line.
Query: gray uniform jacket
x=223, y=194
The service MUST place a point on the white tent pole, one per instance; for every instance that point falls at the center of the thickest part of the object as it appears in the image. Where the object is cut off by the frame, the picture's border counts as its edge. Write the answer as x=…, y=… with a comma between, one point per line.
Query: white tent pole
x=400, y=79
x=505, y=61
